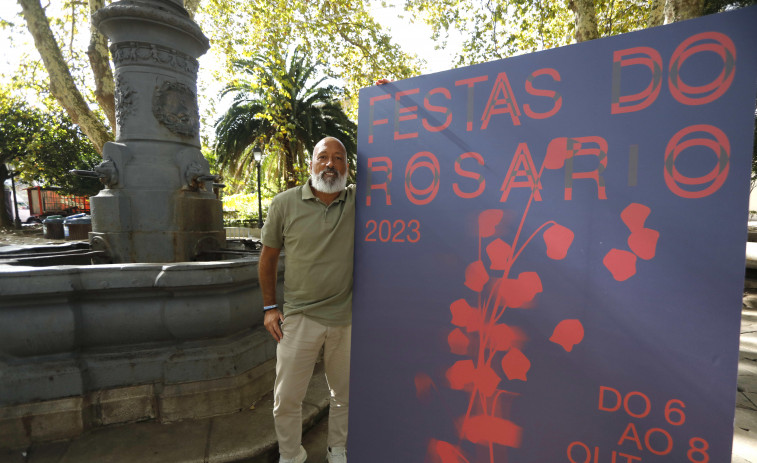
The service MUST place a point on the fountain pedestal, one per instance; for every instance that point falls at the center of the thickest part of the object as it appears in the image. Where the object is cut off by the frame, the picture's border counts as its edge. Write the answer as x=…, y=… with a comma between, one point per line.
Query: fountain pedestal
x=158, y=204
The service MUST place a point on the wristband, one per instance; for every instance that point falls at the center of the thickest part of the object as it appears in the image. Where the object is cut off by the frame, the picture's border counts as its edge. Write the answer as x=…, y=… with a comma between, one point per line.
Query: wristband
x=270, y=307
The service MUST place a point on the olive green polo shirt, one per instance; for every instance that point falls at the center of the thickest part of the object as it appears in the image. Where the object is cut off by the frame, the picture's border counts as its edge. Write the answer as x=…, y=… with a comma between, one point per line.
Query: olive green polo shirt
x=319, y=241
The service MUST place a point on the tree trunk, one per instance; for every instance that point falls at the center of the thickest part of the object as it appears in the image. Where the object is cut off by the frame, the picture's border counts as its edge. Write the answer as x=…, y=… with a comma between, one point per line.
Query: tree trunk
x=290, y=176
x=99, y=61
x=62, y=85
x=680, y=10
x=656, y=13
x=5, y=220
x=586, y=20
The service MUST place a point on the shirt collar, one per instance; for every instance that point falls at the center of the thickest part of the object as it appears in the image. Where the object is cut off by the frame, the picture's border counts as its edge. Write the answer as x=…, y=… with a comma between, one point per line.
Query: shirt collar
x=307, y=193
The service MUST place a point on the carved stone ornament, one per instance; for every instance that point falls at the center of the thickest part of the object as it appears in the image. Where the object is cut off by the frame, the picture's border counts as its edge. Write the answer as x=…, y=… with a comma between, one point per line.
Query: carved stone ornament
x=108, y=173
x=142, y=53
x=125, y=100
x=175, y=106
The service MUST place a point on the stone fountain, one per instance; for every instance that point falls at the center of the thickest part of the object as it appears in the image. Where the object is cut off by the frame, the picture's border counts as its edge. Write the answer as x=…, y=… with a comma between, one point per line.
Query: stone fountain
x=160, y=328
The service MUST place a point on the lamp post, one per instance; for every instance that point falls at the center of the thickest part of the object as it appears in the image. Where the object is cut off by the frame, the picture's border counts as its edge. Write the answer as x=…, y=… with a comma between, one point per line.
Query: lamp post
x=257, y=153
x=9, y=167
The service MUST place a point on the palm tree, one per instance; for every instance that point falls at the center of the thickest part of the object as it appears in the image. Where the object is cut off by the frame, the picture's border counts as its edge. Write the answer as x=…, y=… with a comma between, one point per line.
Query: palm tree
x=281, y=110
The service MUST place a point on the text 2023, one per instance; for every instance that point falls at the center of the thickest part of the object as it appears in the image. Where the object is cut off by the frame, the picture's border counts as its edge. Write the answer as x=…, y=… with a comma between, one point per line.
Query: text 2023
x=398, y=231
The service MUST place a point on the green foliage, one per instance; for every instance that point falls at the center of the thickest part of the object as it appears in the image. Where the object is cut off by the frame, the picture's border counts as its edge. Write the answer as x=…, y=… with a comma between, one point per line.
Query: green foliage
x=44, y=146
x=501, y=28
x=243, y=207
x=340, y=33
x=278, y=106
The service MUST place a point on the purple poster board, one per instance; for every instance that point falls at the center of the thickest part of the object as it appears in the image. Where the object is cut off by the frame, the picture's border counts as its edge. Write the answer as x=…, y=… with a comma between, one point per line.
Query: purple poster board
x=549, y=253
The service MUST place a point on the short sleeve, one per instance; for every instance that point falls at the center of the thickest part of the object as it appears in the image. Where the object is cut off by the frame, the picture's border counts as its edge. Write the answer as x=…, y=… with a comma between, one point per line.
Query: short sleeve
x=272, y=234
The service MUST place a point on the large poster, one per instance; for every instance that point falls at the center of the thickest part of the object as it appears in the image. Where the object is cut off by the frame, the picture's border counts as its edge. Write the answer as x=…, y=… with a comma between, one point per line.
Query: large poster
x=549, y=253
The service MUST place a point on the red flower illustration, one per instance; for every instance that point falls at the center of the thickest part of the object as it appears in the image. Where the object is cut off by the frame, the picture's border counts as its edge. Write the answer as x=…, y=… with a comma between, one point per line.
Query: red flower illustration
x=476, y=276
x=558, y=240
x=567, y=334
x=499, y=254
x=488, y=221
x=486, y=429
x=519, y=292
x=622, y=264
x=515, y=365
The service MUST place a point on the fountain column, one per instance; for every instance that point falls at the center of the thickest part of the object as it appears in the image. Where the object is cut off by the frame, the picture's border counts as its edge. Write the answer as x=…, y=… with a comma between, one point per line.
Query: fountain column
x=158, y=204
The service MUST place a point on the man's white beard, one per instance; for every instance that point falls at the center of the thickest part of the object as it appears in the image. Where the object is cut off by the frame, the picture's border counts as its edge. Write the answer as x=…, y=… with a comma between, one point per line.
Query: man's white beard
x=328, y=184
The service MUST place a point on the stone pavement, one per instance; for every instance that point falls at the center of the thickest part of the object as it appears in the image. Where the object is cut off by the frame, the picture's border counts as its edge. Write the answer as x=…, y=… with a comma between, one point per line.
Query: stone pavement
x=248, y=436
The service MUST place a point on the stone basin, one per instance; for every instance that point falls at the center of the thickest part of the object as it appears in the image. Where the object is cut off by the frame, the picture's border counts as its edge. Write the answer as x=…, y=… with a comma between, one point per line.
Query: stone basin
x=91, y=345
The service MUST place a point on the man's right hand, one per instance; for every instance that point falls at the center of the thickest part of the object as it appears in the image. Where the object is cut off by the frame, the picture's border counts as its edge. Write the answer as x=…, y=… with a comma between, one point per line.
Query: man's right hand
x=271, y=320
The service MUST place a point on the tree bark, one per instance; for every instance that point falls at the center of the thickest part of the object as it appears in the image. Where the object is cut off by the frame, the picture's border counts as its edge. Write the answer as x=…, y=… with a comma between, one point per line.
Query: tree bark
x=586, y=20
x=99, y=61
x=62, y=85
x=680, y=10
x=656, y=13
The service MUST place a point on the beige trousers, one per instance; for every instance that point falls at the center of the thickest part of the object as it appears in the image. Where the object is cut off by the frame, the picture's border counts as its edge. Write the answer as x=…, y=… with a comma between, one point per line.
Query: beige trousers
x=296, y=355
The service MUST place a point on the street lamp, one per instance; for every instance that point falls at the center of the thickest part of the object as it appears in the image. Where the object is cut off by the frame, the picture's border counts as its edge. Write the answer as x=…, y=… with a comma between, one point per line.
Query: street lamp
x=257, y=153
x=10, y=168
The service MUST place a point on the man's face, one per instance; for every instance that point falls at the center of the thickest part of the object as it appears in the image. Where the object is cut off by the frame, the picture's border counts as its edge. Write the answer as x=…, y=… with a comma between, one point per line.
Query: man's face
x=329, y=166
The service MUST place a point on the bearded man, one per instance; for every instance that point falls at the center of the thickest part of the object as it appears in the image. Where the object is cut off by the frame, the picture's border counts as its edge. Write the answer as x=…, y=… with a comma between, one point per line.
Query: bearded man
x=315, y=223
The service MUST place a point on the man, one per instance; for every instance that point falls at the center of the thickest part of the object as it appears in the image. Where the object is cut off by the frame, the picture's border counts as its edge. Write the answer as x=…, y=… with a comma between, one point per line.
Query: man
x=315, y=223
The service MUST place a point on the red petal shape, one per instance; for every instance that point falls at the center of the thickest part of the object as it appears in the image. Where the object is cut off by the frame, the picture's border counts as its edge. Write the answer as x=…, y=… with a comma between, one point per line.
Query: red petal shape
x=557, y=153
x=476, y=276
x=444, y=452
x=488, y=221
x=486, y=380
x=558, y=240
x=499, y=254
x=634, y=216
x=519, y=292
x=462, y=373
x=643, y=242
x=568, y=333
x=423, y=385
x=465, y=316
x=458, y=342
x=501, y=337
x=622, y=264
x=485, y=429
x=515, y=365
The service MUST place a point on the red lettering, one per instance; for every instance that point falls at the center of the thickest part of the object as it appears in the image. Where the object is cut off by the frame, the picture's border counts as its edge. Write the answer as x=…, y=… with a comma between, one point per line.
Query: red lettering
x=574, y=147
x=586, y=450
x=387, y=169
x=643, y=56
x=522, y=165
x=556, y=97
x=371, y=115
x=716, y=177
x=468, y=174
x=416, y=162
x=470, y=82
x=714, y=42
x=668, y=438
x=404, y=114
x=647, y=404
x=615, y=392
x=631, y=434
x=501, y=86
x=437, y=109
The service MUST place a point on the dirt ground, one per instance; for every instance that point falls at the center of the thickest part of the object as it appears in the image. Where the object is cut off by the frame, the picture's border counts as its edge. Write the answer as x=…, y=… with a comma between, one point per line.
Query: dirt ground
x=28, y=235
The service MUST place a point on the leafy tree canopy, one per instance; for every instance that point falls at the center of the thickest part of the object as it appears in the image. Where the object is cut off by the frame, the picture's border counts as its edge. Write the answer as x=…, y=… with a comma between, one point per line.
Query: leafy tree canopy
x=281, y=107
x=340, y=33
x=44, y=146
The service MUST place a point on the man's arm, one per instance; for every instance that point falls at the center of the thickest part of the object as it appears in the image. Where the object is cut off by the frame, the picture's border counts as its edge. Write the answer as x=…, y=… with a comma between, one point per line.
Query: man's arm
x=267, y=276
